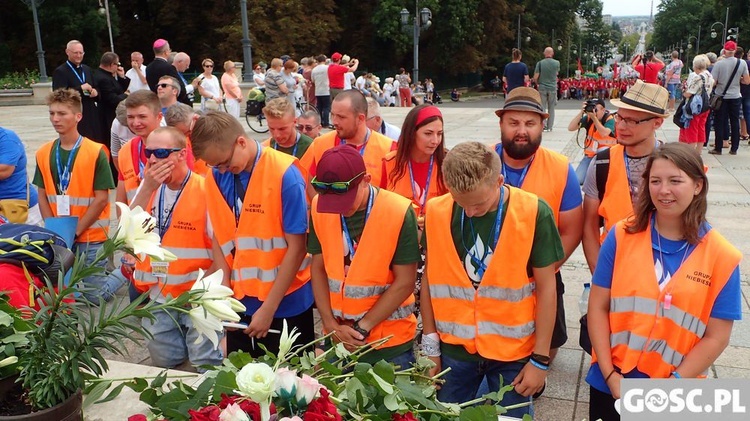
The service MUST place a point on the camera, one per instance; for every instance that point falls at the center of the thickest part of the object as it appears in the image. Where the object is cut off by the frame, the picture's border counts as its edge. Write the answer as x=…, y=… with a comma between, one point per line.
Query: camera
x=590, y=106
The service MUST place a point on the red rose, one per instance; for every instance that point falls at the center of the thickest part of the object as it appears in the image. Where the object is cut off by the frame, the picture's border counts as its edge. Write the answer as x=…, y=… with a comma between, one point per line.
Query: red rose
x=405, y=417
x=207, y=413
x=137, y=417
x=322, y=409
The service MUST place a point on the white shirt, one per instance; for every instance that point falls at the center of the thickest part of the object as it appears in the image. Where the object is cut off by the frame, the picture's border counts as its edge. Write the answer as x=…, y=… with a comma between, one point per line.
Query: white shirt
x=135, y=81
x=348, y=79
x=319, y=75
x=211, y=85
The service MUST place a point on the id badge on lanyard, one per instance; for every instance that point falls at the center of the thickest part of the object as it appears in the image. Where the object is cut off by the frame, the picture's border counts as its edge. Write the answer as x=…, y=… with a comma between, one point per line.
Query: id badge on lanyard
x=159, y=269
x=63, y=204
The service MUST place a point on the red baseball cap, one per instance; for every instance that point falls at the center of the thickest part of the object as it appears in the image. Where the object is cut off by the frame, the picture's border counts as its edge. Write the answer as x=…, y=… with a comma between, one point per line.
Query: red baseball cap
x=336, y=56
x=730, y=46
x=339, y=164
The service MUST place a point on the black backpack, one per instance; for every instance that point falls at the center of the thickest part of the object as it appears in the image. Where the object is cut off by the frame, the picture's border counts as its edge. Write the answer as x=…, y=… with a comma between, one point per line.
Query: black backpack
x=602, y=173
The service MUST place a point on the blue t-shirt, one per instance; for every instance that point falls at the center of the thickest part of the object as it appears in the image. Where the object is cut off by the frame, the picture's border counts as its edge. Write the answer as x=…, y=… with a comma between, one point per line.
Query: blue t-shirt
x=294, y=221
x=571, y=195
x=514, y=74
x=728, y=304
x=13, y=153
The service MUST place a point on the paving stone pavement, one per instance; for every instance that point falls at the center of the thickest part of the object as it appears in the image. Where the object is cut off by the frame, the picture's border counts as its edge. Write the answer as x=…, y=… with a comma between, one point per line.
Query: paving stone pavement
x=566, y=396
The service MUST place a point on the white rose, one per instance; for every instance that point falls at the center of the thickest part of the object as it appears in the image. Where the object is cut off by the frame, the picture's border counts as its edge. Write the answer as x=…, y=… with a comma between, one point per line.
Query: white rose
x=256, y=381
x=307, y=389
x=233, y=413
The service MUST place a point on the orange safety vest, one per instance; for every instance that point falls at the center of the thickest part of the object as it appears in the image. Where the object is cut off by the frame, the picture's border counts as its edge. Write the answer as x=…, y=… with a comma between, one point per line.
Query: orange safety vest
x=267, y=144
x=616, y=203
x=647, y=335
x=130, y=173
x=547, y=177
x=354, y=294
x=403, y=185
x=186, y=238
x=595, y=142
x=377, y=147
x=258, y=241
x=496, y=320
x=81, y=188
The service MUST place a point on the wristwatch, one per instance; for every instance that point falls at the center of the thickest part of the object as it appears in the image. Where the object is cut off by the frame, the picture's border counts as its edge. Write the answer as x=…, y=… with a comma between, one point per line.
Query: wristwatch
x=364, y=333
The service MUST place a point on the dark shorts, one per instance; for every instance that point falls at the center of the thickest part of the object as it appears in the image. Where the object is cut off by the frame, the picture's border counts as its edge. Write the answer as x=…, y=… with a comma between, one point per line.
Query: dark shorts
x=560, y=332
x=304, y=322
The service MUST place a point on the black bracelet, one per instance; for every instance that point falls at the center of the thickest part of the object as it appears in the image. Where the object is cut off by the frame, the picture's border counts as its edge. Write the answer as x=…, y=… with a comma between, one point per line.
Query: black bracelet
x=361, y=331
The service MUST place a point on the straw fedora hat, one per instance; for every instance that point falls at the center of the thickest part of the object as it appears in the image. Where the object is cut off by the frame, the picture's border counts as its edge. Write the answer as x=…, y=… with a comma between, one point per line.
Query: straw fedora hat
x=645, y=97
x=523, y=99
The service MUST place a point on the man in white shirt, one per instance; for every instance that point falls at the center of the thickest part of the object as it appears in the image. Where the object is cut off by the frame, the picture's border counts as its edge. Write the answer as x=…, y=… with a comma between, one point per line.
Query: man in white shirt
x=137, y=73
x=376, y=123
x=319, y=76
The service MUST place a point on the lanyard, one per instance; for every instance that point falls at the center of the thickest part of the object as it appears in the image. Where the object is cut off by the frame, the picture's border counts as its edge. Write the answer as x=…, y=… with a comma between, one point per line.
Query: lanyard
x=182, y=78
x=82, y=77
x=492, y=244
x=364, y=145
x=163, y=227
x=294, y=150
x=141, y=164
x=347, y=236
x=240, y=189
x=525, y=171
x=426, y=186
x=63, y=174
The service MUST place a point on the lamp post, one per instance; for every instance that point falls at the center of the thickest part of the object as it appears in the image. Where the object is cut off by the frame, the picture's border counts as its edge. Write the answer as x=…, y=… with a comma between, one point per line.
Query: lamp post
x=713, y=31
x=105, y=11
x=733, y=34
x=247, y=52
x=421, y=21
x=690, y=47
x=567, y=62
x=33, y=4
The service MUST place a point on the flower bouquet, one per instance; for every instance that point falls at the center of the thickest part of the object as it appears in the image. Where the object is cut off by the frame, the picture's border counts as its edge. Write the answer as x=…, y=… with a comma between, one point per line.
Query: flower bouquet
x=52, y=351
x=302, y=385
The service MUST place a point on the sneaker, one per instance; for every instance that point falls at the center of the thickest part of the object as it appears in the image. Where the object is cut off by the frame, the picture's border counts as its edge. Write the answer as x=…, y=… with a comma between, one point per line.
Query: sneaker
x=714, y=152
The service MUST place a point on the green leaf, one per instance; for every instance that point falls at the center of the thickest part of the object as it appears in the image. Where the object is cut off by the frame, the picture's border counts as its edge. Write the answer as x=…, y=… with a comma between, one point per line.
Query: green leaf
x=391, y=402
x=149, y=397
x=385, y=370
x=225, y=383
x=240, y=359
x=96, y=392
x=113, y=394
x=381, y=384
x=159, y=380
x=478, y=413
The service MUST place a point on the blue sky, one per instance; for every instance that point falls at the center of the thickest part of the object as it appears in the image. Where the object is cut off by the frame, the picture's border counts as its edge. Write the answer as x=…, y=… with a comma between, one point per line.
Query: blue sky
x=629, y=7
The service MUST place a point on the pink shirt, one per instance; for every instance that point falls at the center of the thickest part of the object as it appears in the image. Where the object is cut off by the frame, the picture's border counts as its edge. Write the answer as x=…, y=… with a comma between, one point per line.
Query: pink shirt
x=231, y=86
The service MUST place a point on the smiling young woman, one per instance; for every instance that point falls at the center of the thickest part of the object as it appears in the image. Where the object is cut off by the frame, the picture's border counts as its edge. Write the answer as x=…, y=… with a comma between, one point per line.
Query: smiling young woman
x=684, y=309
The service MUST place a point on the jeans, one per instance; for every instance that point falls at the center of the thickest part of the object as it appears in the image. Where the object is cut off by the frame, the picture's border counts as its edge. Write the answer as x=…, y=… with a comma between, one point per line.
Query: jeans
x=582, y=167
x=746, y=111
x=549, y=100
x=463, y=380
x=729, y=111
x=672, y=88
x=100, y=287
x=174, y=338
x=324, y=106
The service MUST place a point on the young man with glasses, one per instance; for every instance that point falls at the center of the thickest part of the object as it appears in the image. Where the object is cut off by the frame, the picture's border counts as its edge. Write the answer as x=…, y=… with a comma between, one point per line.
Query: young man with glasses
x=641, y=111
x=308, y=123
x=74, y=180
x=174, y=196
x=281, y=121
x=365, y=252
x=258, y=211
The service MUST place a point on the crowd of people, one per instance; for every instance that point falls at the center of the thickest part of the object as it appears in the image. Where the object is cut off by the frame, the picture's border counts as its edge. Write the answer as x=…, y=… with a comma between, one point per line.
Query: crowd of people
x=380, y=227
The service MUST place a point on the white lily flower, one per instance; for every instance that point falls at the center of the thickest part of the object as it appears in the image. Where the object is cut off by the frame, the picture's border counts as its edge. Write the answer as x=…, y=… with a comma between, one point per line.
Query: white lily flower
x=8, y=361
x=286, y=341
x=136, y=230
x=216, y=298
x=221, y=309
x=206, y=324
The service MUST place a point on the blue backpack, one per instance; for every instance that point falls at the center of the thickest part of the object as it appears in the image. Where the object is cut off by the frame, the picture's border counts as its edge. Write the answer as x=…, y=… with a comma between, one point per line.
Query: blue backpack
x=29, y=245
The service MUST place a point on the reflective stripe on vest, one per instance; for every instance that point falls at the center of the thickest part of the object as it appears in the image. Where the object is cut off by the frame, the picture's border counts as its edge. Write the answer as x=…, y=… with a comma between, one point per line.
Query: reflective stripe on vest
x=496, y=320
x=130, y=174
x=259, y=242
x=81, y=189
x=148, y=277
x=646, y=336
x=370, y=271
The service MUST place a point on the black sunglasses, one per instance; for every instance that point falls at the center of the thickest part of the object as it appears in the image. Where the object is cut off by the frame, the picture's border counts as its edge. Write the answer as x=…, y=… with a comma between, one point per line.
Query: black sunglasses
x=337, y=187
x=305, y=128
x=208, y=65
x=164, y=85
x=161, y=153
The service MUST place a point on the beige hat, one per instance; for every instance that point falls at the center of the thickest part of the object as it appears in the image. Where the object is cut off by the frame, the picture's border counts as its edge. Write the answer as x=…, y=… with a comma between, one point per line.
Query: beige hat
x=645, y=97
x=523, y=99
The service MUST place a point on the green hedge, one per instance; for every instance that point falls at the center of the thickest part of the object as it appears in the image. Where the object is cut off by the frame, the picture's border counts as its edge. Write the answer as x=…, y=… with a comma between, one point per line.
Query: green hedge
x=19, y=80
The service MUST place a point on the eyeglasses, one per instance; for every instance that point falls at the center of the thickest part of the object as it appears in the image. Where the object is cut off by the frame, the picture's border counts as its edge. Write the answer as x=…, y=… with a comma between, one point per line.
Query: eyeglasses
x=337, y=187
x=225, y=164
x=306, y=128
x=208, y=65
x=164, y=85
x=161, y=153
x=629, y=122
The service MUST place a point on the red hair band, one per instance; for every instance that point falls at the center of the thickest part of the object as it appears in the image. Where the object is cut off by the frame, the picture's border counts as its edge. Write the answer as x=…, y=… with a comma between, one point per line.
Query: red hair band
x=426, y=113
